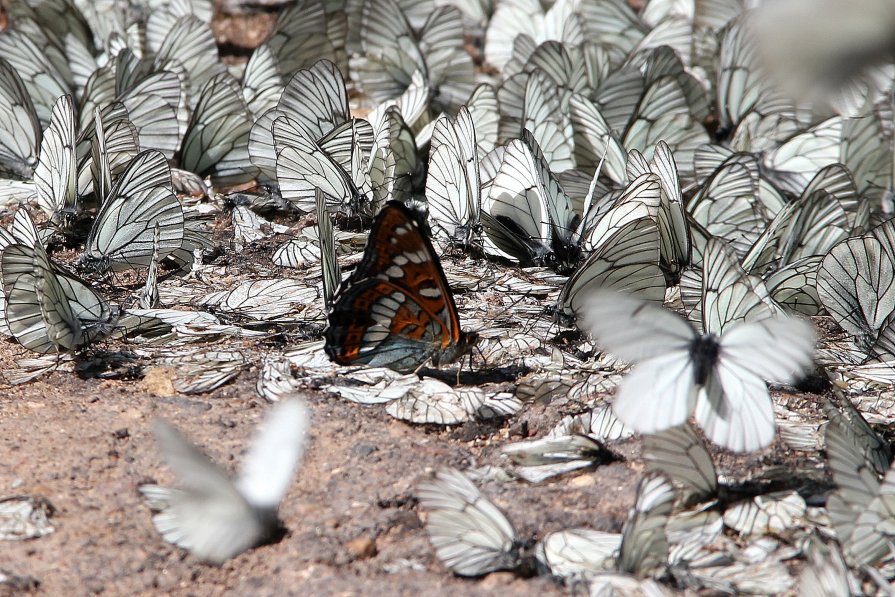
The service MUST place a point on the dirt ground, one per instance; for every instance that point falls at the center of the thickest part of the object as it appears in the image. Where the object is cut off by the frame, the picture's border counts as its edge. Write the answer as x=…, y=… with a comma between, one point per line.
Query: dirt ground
x=352, y=524
x=353, y=529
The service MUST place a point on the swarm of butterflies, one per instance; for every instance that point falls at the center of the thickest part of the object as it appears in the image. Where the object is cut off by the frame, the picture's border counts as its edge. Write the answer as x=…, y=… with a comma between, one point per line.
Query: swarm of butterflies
x=555, y=191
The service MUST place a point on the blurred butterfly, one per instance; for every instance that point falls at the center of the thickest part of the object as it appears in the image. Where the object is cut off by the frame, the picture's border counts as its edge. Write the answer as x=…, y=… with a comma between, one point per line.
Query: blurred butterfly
x=860, y=507
x=679, y=371
x=396, y=310
x=212, y=516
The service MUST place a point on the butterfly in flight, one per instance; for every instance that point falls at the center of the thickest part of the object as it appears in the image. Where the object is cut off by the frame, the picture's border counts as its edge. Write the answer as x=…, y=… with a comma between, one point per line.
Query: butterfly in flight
x=396, y=310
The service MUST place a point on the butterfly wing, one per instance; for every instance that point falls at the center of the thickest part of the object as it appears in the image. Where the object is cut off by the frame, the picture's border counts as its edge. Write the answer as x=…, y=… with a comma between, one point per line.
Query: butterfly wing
x=627, y=260
x=56, y=175
x=38, y=312
x=19, y=136
x=208, y=516
x=471, y=536
x=123, y=234
x=681, y=454
x=644, y=545
x=736, y=410
x=659, y=392
x=276, y=450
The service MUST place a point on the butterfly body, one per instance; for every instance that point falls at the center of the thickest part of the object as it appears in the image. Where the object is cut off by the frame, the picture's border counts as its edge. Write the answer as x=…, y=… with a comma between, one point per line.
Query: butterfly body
x=704, y=350
x=396, y=310
x=719, y=378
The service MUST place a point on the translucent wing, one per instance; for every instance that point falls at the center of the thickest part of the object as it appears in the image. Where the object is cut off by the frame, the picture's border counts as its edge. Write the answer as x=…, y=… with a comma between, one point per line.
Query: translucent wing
x=725, y=206
x=679, y=453
x=674, y=229
x=38, y=312
x=856, y=284
x=453, y=188
x=189, y=44
x=316, y=100
x=332, y=273
x=857, y=486
x=123, y=233
x=56, y=174
x=275, y=452
x=725, y=295
x=302, y=166
x=20, y=135
x=627, y=260
x=644, y=547
x=216, y=141
x=262, y=84
x=471, y=536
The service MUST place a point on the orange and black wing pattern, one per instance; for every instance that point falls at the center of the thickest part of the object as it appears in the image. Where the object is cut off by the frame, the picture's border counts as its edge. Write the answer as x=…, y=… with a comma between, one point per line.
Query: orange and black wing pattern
x=396, y=310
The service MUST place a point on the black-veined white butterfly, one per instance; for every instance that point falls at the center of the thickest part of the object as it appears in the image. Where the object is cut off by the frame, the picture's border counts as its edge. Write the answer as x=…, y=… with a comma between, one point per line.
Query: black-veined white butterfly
x=123, y=233
x=674, y=228
x=471, y=536
x=862, y=507
x=393, y=51
x=678, y=372
x=527, y=215
x=644, y=546
x=679, y=453
x=453, y=184
x=720, y=294
x=48, y=310
x=216, y=141
x=332, y=273
x=856, y=285
x=626, y=260
x=19, y=136
x=217, y=518
x=315, y=102
x=56, y=175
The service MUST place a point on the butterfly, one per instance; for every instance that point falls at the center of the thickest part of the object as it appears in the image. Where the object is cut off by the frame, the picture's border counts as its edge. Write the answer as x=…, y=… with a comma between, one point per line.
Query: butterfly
x=678, y=370
x=396, y=310
x=471, y=536
x=124, y=230
x=860, y=507
x=46, y=309
x=212, y=516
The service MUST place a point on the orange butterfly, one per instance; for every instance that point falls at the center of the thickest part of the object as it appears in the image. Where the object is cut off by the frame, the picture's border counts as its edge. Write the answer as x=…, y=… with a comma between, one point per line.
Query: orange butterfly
x=396, y=310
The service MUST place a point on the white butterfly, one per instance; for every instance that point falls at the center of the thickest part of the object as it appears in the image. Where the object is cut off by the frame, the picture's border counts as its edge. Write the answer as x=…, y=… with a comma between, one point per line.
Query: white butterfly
x=123, y=233
x=471, y=536
x=678, y=372
x=214, y=517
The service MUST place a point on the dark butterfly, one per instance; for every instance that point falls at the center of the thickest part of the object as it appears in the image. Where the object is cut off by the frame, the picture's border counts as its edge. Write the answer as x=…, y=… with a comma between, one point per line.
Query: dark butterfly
x=396, y=310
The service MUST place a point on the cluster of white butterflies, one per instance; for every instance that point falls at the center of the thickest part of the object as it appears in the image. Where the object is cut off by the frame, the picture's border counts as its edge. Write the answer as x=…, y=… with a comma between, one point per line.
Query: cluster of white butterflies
x=642, y=154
